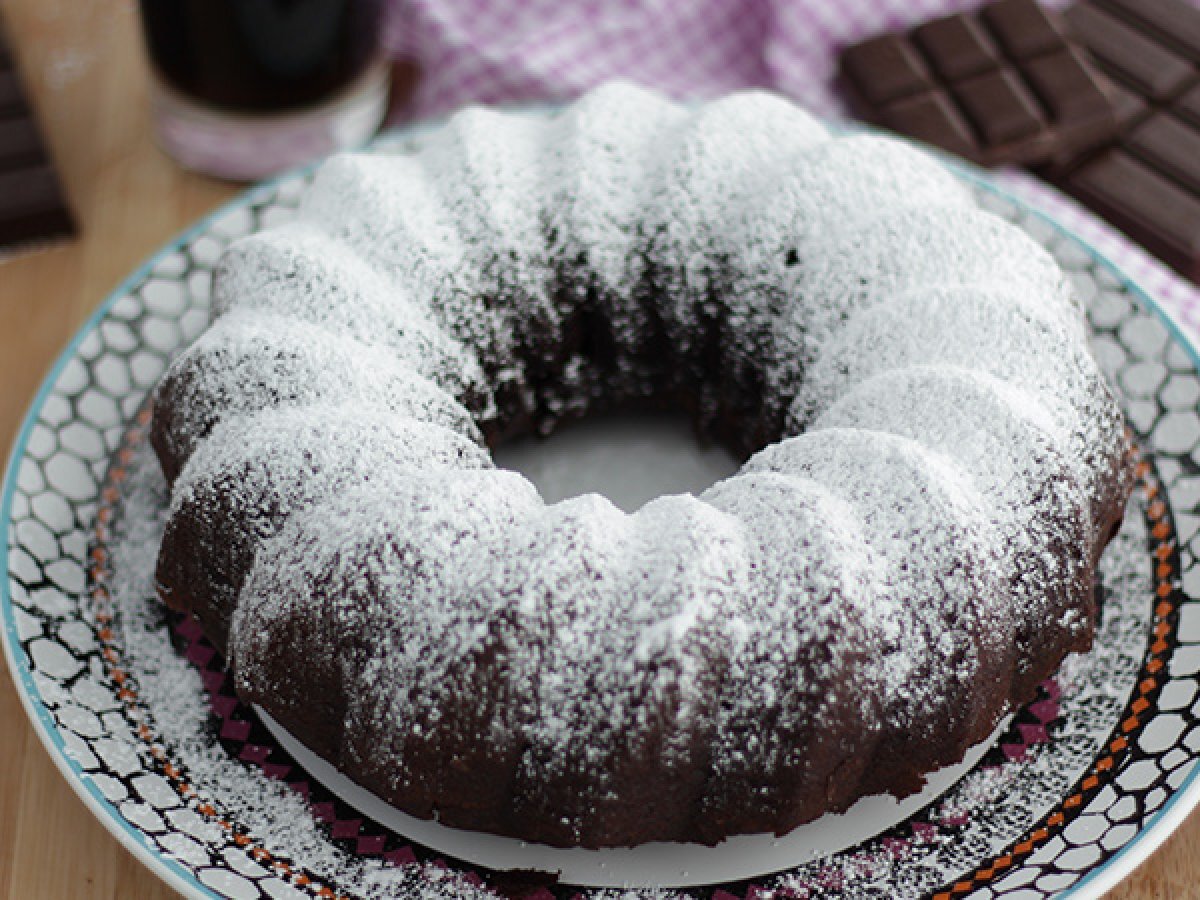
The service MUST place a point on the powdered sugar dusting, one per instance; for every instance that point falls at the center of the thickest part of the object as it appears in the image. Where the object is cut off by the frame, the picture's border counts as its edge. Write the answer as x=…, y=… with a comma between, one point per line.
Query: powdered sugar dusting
x=527, y=270
x=913, y=504
x=171, y=689
x=249, y=361
x=1034, y=496
x=592, y=210
x=300, y=271
x=904, y=249
x=279, y=819
x=994, y=327
x=299, y=446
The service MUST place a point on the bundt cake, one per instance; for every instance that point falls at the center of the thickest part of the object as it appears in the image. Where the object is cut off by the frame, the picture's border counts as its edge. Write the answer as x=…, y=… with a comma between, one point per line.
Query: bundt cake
x=933, y=465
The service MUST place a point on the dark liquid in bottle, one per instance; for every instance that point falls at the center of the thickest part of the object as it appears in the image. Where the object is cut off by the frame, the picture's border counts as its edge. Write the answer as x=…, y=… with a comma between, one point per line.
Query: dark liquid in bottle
x=261, y=55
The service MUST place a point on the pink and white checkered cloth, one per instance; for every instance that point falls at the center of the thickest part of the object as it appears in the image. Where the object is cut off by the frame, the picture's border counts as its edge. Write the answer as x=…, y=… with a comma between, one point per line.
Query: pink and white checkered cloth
x=497, y=51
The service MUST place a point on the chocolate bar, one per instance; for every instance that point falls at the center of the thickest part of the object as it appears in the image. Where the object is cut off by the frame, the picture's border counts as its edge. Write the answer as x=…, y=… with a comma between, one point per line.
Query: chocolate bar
x=32, y=206
x=1147, y=180
x=1001, y=85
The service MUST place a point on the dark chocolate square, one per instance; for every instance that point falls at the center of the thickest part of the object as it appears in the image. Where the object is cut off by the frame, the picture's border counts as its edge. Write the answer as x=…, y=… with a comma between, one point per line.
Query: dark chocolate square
x=1067, y=85
x=999, y=106
x=1128, y=106
x=10, y=93
x=1187, y=107
x=957, y=47
x=32, y=207
x=1023, y=28
x=885, y=68
x=1170, y=146
x=19, y=143
x=932, y=118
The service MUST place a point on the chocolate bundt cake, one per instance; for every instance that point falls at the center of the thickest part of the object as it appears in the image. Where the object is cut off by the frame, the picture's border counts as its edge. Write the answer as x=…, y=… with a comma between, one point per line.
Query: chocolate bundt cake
x=933, y=465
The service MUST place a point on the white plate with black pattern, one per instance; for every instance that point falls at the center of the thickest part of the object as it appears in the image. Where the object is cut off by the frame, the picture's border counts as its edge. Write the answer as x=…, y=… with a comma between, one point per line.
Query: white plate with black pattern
x=134, y=706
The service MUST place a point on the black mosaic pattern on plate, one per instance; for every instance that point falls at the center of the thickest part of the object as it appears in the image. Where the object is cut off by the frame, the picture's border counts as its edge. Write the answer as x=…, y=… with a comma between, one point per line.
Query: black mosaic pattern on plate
x=72, y=659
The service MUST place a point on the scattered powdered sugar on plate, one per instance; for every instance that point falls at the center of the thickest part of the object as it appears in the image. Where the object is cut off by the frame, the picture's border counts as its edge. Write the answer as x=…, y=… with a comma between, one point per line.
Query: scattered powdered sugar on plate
x=174, y=696
x=280, y=820
x=993, y=805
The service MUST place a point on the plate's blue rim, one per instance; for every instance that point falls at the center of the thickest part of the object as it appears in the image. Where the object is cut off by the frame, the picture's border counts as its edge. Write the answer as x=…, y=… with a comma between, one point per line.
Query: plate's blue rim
x=1185, y=798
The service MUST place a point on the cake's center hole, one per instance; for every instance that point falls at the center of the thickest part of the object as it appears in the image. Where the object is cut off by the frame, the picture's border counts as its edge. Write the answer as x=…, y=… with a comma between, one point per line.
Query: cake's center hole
x=629, y=457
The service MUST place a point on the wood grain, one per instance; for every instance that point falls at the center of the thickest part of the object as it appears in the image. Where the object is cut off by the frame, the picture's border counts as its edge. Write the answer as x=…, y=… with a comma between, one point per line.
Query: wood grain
x=83, y=64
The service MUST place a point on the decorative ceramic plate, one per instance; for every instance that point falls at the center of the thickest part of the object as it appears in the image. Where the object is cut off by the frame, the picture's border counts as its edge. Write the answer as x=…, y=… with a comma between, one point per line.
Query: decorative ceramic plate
x=134, y=706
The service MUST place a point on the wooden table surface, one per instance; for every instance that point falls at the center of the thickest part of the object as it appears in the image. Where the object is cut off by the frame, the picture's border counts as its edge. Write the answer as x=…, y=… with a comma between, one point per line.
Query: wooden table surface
x=83, y=64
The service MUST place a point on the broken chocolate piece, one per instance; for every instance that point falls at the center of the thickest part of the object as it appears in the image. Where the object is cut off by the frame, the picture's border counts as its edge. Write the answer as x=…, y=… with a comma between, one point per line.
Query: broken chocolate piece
x=1150, y=208
x=1001, y=85
x=1147, y=67
x=1172, y=23
x=1146, y=180
x=32, y=207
